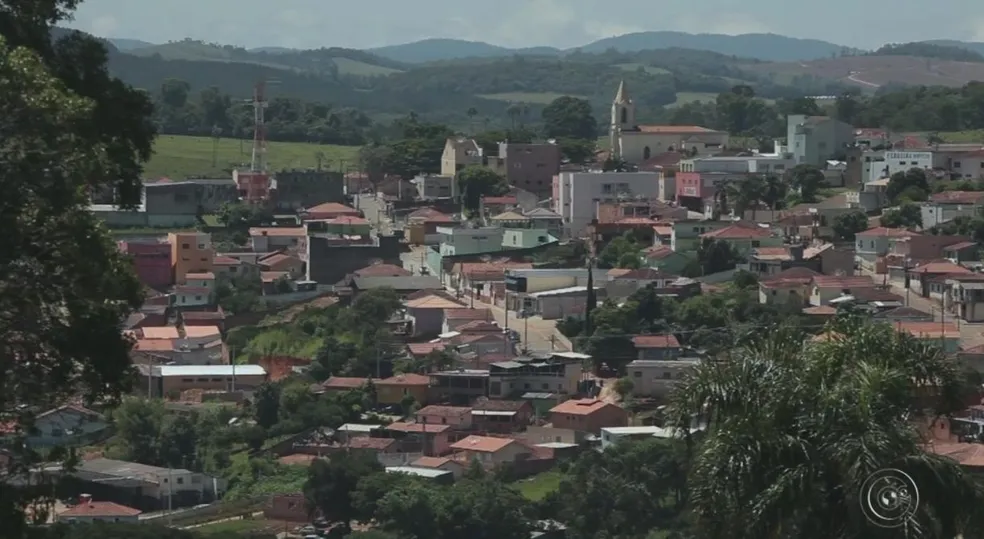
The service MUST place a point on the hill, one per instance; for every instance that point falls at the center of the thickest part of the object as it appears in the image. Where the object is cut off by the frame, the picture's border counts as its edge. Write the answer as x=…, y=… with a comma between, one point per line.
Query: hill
x=124, y=44
x=437, y=49
x=871, y=72
x=769, y=47
x=333, y=61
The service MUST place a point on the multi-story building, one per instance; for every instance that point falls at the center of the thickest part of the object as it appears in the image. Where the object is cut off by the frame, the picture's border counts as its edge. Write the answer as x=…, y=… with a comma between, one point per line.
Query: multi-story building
x=296, y=189
x=879, y=164
x=530, y=167
x=635, y=143
x=658, y=377
x=812, y=140
x=752, y=164
x=459, y=153
x=191, y=252
x=948, y=205
x=269, y=239
x=526, y=374
x=151, y=261
x=578, y=194
x=254, y=186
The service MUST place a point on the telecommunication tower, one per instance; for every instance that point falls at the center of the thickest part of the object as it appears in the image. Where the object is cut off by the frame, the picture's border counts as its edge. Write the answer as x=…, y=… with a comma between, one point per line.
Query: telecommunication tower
x=258, y=161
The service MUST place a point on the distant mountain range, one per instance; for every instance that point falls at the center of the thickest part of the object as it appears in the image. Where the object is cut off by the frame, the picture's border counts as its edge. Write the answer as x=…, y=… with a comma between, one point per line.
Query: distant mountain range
x=766, y=47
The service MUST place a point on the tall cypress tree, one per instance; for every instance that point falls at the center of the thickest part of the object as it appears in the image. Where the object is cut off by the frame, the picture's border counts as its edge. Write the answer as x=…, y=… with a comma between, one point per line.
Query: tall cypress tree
x=591, y=301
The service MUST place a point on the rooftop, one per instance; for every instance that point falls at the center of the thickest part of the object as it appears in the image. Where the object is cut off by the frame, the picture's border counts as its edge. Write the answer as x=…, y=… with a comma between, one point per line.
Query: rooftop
x=382, y=270
x=409, y=379
x=676, y=129
x=957, y=197
x=444, y=411
x=164, y=332
x=433, y=302
x=190, y=371
x=333, y=207
x=278, y=231
x=881, y=231
x=99, y=509
x=401, y=426
x=343, y=382
x=200, y=332
x=655, y=341
x=580, y=406
x=482, y=444
x=738, y=232
x=205, y=276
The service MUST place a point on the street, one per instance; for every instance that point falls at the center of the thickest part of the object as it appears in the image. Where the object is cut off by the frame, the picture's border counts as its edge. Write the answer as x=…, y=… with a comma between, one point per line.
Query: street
x=375, y=211
x=536, y=334
x=970, y=334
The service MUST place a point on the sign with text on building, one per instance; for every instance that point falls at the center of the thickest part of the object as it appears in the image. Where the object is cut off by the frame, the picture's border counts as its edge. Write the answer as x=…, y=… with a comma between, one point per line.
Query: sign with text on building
x=915, y=156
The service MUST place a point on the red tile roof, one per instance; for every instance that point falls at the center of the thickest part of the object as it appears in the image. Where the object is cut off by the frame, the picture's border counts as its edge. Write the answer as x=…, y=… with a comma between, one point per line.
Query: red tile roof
x=499, y=405
x=348, y=220
x=790, y=278
x=333, y=207
x=203, y=315
x=836, y=281
x=382, y=270
x=580, y=406
x=881, y=231
x=960, y=246
x=965, y=454
x=409, y=379
x=655, y=341
x=444, y=411
x=424, y=348
x=429, y=215
x=482, y=444
x=658, y=252
x=226, y=261
x=738, y=232
x=479, y=326
x=939, y=267
x=365, y=442
x=342, y=382
x=957, y=197
x=432, y=462
x=99, y=509
x=401, y=426
x=467, y=314
x=928, y=330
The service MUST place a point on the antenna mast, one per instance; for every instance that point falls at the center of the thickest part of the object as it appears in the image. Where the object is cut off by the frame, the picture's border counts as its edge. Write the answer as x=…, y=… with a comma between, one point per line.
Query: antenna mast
x=258, y=162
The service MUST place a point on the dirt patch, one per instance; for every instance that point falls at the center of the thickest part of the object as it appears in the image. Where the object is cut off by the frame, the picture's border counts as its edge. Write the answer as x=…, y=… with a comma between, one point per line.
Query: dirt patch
x=288, y=315
x=879, y=70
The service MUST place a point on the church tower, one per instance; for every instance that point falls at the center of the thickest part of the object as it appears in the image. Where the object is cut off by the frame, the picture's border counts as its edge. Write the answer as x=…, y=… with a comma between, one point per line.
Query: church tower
x=623, y=118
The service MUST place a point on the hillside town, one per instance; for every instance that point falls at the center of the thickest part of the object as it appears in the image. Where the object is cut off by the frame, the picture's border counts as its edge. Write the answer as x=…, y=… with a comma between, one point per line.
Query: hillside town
x=572, y=329
x=486, y=360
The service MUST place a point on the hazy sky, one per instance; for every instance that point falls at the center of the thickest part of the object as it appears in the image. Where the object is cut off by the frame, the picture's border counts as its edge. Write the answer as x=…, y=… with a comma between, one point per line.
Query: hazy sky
x=518, y=23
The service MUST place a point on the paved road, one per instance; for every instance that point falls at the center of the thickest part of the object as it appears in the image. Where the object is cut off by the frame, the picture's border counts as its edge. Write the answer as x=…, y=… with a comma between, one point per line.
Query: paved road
x=536, y=334
x=414, y=260
x=970, y=334
x=375, y=211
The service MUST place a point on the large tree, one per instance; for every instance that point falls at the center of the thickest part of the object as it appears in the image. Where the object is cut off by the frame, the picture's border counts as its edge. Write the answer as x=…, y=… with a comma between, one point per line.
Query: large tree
x=68, y=128
x=795, y=427
x=569, y=118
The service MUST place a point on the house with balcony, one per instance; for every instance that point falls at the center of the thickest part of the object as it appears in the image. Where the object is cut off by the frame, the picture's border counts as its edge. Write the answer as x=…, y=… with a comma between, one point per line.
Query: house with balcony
x=555, y=374
x=657, y=347
x=946, y=206
x=656, y=378
x=743, y=238
x=964, y=296
x=459, y=385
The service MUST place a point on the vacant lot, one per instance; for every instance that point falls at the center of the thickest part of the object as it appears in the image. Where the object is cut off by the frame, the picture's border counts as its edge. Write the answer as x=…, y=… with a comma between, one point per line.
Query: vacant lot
x=542, y=98
x=539, y=486
x=179, y=157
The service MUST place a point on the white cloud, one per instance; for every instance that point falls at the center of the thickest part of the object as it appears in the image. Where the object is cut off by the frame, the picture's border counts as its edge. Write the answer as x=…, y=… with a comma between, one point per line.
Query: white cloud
x=104, y=25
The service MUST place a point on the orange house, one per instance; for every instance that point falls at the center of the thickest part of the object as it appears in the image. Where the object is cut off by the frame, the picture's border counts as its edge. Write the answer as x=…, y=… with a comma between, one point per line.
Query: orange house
x=588, y=415
x=392, y=390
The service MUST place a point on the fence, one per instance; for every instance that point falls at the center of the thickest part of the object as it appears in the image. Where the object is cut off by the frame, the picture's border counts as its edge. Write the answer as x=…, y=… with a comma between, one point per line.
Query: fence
x=214, y=511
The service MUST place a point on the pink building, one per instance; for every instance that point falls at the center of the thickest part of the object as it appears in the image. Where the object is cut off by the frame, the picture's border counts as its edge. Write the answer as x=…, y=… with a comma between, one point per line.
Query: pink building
x=456, y=417
x=688, y=185
x=151, y=261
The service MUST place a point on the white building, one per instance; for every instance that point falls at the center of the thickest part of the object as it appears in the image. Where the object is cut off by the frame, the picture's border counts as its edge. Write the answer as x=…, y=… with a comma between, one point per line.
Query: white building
x=579, y=193
x=637, y=143
x=880, y=164
x=751, y=164
x=612, y=435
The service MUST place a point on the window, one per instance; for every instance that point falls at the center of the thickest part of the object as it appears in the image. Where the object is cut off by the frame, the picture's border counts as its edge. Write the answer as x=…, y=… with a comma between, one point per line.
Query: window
x=606, y=188
x=186, y=246
x=198, y=298
x=546, y=386
x=646, y=152
x=187, y=380
x=756, y=243
x=956, y=164
x=57, y=432
x=625, y=115
x=201, y=245
x=667, y=375
x=637, y=374
x=541, y=165
x=181, y=480
x=444, y=421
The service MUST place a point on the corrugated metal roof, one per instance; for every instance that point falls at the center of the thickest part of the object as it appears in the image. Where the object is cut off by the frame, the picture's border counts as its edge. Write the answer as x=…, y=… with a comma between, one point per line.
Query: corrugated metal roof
x=210, y=370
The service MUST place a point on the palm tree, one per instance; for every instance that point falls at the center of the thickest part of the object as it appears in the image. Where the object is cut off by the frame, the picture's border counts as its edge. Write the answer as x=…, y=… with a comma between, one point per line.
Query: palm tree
x=794, y=428
x=471, y=113
x=773, y=191
x=513, y=111
x=746, y=194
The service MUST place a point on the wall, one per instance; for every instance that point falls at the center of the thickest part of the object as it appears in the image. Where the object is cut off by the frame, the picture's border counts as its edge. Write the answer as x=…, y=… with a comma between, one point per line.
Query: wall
x=657, y=380
x=298, y=189
x=581, y=190
x=190, y=253
x=531, y=166
x=151, y=261
x=329, y=264
x=426, y=322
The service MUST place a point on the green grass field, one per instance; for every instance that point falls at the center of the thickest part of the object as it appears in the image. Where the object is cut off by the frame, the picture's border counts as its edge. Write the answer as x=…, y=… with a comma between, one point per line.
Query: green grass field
x=976, y=136
x=179, y=157
x=537, y=487
x=682, y=98
x=240, y=527
x=648, y=69
x=542, y=98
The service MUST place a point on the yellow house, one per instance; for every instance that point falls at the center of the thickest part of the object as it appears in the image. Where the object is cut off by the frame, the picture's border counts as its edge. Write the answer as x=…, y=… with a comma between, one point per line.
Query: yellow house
x=458, y=154
x=392, y=390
